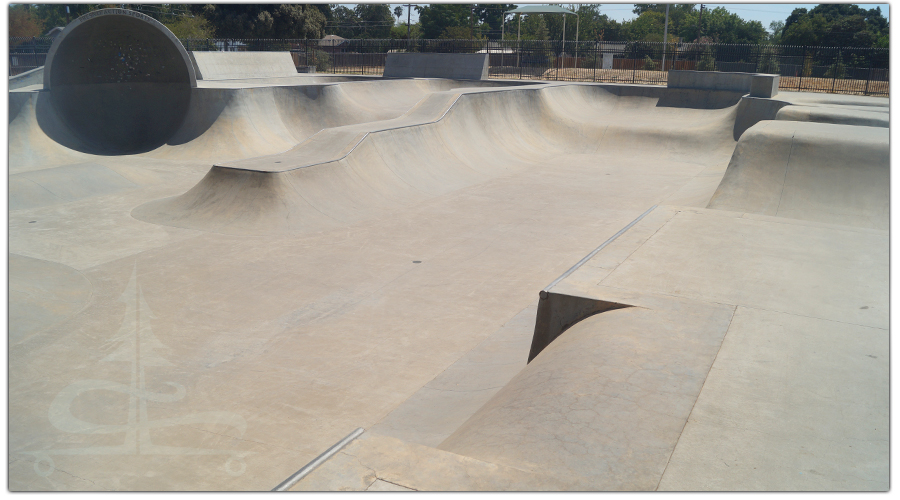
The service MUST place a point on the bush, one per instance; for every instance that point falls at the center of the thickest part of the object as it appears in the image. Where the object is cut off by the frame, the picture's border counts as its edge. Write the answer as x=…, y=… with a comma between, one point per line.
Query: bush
x=768, y=62
x=320, y=59
x=593, y=60
x=650, y=64
x=707, y=60
x=838, y=69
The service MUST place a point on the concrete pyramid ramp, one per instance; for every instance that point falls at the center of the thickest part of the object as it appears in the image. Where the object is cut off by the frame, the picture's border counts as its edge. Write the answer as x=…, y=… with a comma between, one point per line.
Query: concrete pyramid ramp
x=811, y=171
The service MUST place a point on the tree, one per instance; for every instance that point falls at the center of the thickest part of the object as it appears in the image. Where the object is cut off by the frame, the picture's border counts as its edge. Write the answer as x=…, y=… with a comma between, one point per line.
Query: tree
x=434, y=19
x=344, y=22
x=53, y=15
x=399, y=31
x=682, y=18
x=777, y=28
x=805, y=31
x=593, y=25
x=375, y=20
x=534, y=27
x=489, y=18
x=646, y=27
x=841, y=25
x=264, y=20
x=768, y=60
x=707, y=60
x=192, y=27
x=725, y=27
x=398, y=11
x=22, y=22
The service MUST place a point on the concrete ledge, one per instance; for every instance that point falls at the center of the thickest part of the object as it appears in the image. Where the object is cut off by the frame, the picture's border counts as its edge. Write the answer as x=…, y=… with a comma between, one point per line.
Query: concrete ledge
x=231, y=65
x=758, y=85
x=426, y=65
x=764, y=85
x=33, y=77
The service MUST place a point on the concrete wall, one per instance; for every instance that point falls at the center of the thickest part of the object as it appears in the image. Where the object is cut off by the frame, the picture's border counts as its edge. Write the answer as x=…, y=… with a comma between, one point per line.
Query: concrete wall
x=232, y=65
x=28, y=78
x=757, y=85
x=425, y=65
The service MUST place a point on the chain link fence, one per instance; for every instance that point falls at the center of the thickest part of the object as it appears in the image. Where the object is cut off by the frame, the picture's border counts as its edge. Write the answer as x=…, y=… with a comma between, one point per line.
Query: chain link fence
x=844, y=70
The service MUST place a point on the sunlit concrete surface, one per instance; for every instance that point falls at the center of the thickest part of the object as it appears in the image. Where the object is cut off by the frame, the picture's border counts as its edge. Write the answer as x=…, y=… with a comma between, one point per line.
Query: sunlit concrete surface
x=302, y=256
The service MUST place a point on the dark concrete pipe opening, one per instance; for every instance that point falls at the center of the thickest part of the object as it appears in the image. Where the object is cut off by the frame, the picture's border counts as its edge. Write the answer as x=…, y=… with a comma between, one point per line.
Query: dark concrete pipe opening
x=120, y=81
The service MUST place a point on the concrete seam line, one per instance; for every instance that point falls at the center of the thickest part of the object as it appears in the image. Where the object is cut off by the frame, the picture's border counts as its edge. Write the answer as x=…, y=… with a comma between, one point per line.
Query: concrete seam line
x=321, y=459
x=593, y=253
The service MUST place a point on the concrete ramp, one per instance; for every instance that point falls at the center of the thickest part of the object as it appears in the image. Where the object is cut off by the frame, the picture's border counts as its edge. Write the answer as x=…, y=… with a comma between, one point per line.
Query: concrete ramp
x=811, y=171
x=63, y=184
x=225, y=122
x=233, y=65
x=27, y=79
x=840, y=115
x=448, y=141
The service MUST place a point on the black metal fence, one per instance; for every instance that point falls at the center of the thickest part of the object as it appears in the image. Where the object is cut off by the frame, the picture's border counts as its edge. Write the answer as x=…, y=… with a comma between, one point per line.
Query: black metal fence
x=26, y=54
x=845, y=70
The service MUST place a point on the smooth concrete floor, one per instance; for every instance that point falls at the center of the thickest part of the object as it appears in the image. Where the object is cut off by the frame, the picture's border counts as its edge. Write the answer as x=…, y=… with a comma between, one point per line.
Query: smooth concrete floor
x=304, y=338
x=152, y=357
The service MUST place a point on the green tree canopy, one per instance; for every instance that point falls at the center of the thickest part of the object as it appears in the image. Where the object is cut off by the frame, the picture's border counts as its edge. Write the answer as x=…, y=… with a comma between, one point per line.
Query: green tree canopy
x=375, y=20
x=842, y=25
x=724, y=27
x=489, y=16
x=435, y=19
x=264, y=20
x=24, y=22
x=534, y=27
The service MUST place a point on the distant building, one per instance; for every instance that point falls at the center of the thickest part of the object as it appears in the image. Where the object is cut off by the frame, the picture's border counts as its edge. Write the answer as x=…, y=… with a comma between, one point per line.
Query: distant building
x=230, y=46
x=333, y=43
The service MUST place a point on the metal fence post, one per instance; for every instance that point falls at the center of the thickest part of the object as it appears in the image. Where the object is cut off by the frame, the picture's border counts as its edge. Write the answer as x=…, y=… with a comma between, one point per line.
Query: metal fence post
x=868, y=78
x=834, y=69
x=633, y=61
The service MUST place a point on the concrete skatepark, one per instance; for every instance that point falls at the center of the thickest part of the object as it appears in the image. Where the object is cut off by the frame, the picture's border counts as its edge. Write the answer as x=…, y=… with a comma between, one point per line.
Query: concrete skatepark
x=510, y=286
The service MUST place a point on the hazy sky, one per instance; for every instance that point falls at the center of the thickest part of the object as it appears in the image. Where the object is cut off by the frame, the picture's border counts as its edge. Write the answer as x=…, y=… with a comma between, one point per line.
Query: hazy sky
x=762, y=12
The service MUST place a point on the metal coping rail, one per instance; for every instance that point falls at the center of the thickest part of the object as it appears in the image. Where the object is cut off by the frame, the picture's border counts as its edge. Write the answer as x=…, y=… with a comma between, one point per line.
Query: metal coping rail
x=321, y=459
x=588, y=257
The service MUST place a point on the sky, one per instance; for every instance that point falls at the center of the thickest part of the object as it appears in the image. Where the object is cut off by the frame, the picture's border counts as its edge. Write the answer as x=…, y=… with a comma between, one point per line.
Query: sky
x=765, y=13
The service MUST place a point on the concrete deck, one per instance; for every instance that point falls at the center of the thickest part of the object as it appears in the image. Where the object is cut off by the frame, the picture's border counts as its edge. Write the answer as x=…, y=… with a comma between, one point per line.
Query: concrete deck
x=201, y=317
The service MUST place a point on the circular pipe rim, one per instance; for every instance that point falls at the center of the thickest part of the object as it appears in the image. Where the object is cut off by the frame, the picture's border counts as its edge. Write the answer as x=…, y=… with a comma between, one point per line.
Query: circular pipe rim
x=48, y=63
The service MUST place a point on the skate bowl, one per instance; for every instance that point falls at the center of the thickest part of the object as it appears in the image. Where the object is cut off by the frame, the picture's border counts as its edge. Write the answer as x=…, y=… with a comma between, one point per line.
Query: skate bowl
x=302, y=256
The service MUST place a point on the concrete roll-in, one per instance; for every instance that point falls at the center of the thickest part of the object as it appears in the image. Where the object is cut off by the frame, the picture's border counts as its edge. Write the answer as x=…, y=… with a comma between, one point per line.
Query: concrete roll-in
x=120, y=81
x=820, y=172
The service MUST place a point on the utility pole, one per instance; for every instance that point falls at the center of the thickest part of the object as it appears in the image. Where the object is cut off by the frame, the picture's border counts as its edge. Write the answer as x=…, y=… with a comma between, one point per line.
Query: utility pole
x=665, y=38
x=700, y=24
x=409, y=7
